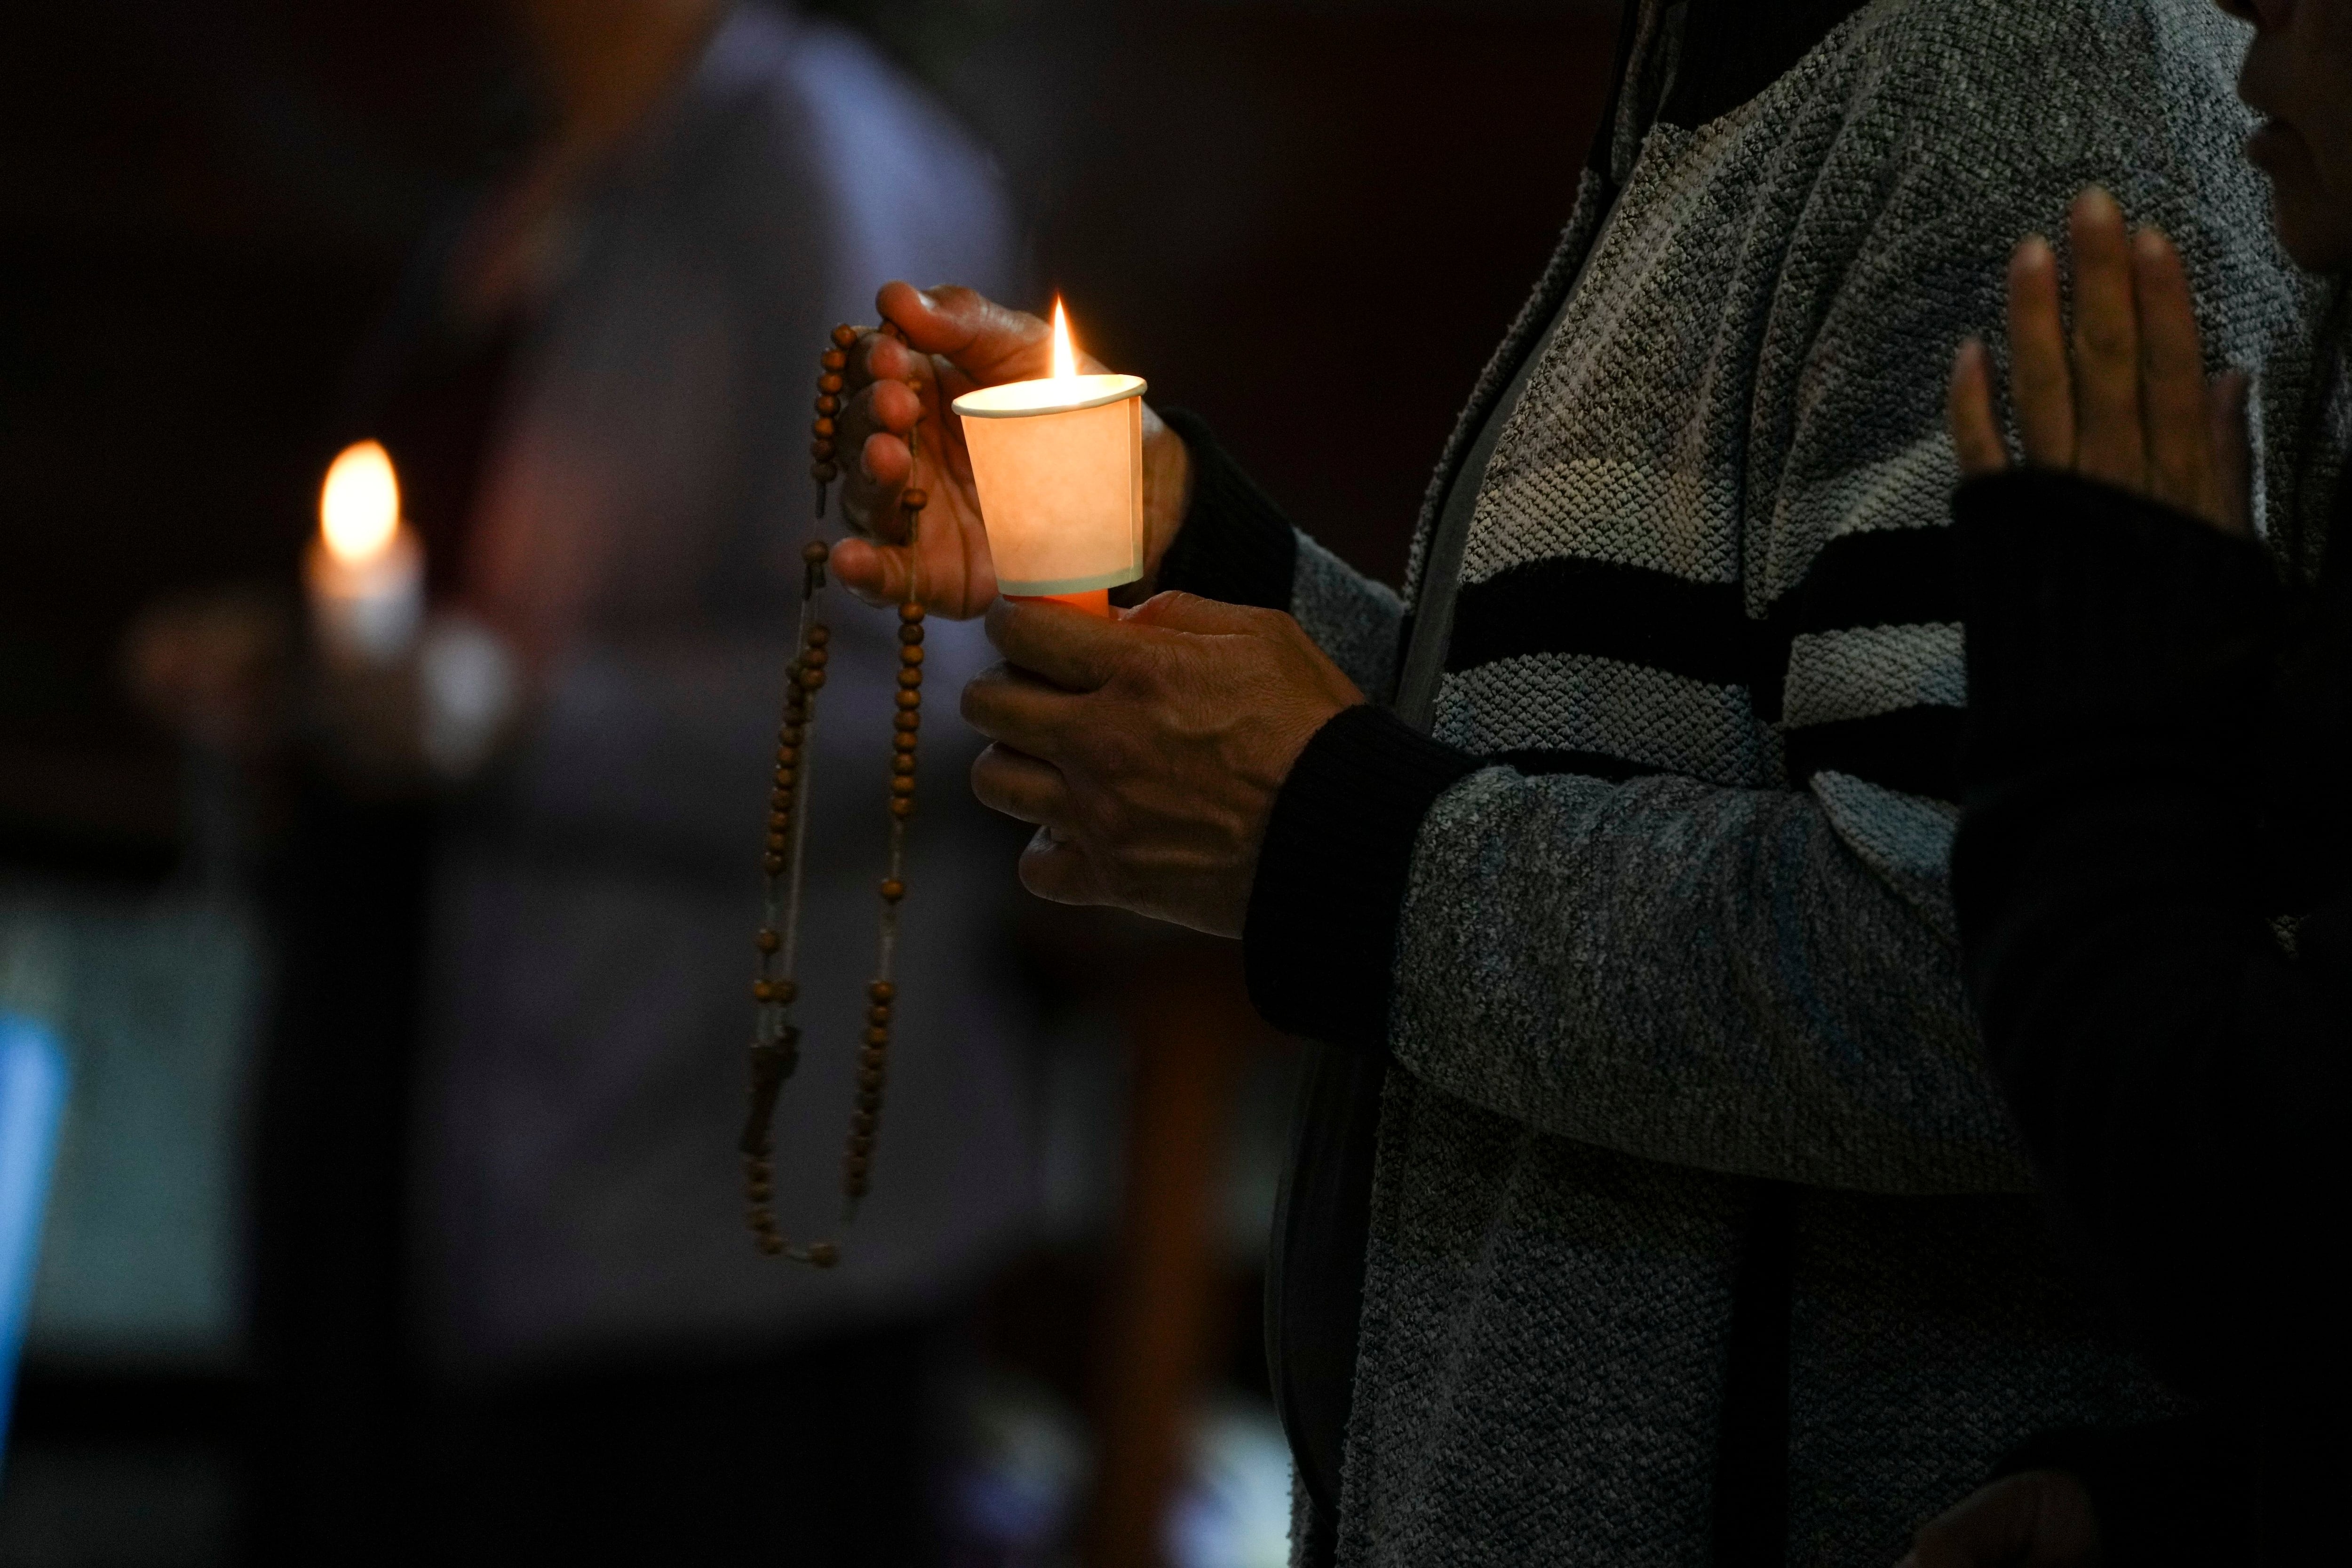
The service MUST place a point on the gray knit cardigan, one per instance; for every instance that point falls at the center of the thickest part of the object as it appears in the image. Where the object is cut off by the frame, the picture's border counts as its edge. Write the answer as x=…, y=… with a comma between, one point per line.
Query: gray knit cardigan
x=1691, y=929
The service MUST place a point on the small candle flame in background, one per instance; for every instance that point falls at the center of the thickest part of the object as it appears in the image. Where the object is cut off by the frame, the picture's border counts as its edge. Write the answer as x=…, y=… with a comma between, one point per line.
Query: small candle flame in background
x=1066, y=357
x=358, y=506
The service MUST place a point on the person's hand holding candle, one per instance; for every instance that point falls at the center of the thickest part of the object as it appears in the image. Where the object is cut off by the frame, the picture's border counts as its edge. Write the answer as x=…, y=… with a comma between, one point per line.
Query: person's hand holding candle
x=1148, y=749
x=956, y=341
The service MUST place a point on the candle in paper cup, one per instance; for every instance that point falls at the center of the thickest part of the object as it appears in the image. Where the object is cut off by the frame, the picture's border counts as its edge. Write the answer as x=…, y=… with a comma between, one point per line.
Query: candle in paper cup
x=364, y=572
x=1059, y=467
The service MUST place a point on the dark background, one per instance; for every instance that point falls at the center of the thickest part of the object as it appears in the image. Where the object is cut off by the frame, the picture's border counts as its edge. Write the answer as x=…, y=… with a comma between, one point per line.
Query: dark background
x=1310, y=220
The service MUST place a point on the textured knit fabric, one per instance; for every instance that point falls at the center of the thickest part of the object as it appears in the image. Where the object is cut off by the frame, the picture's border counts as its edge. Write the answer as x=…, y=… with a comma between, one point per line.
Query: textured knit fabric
x=1693, y=939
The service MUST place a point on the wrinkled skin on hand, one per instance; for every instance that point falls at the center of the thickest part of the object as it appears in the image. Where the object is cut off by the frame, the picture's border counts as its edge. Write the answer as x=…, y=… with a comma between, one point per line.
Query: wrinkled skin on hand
x=954, y=342
x=1148, y=749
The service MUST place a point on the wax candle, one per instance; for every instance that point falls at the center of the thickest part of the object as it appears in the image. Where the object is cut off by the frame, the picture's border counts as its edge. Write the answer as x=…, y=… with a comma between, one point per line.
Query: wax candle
x=1059, y=467
x=364, y=572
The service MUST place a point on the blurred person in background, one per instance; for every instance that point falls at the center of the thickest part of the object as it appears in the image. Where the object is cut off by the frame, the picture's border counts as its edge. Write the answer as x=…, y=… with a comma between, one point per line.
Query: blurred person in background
x=598, y=391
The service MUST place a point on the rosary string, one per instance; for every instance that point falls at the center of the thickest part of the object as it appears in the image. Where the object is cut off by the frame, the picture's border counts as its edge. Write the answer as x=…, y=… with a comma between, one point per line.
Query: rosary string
x=775, y=1045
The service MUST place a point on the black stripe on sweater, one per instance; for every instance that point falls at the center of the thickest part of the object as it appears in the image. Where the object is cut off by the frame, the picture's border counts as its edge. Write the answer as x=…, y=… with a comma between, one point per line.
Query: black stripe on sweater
x=1633, y=614
x=1570, y=605
x=1698, y=630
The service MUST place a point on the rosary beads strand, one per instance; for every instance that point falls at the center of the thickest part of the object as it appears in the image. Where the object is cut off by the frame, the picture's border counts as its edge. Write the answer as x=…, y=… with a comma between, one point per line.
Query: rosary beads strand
x=775, y=1047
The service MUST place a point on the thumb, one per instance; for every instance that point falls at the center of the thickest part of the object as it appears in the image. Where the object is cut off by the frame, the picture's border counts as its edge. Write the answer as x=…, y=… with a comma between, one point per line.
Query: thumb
x=987, y=341
x=1176, y=612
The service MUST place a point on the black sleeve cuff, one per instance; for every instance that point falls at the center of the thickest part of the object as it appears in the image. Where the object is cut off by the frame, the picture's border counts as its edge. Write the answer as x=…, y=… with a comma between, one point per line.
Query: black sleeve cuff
x=2094, y=615
x=1320, y=941
x=1235, y=546
x=2171, y=1492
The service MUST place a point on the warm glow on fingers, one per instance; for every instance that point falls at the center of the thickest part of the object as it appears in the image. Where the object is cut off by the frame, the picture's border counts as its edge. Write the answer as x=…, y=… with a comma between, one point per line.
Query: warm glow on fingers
x=359, y=507
x=1066, y=356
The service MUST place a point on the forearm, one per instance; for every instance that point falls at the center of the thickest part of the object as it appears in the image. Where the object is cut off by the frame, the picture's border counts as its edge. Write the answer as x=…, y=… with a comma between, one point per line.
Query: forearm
x=1702, y=975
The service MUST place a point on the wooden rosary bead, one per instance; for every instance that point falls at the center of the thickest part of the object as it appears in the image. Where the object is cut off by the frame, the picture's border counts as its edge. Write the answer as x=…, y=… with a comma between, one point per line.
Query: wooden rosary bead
x=772, y=1061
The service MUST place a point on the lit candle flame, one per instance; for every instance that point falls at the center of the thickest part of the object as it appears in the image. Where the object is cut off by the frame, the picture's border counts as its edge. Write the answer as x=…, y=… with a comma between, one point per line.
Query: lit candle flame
x=359, y=507
x=1066, y=357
